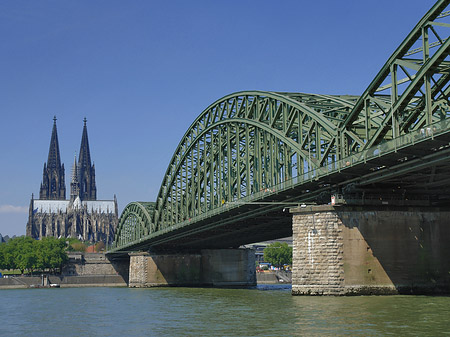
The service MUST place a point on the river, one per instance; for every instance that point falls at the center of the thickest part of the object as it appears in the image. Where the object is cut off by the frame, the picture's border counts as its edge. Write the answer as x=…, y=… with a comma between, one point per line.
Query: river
x=265, y=311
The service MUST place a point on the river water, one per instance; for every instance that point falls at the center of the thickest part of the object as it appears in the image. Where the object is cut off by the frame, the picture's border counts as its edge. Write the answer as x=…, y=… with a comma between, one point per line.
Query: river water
x=265, y=311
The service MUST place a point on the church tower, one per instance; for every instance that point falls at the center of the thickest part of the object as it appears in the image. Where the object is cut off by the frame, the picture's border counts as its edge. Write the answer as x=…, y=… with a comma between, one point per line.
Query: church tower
x=82, y=216
x=53, y=186
x=86, y=171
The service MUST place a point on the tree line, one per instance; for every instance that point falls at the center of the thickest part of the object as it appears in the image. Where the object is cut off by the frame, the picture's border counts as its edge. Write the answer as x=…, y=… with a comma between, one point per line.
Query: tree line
x=26, y=254
x=278, y=254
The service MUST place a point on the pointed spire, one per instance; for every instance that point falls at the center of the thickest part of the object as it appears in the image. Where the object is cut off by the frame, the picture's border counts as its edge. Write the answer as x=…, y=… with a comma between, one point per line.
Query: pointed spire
x=86, y=172
x=53, y=186
x=75, y=169
x=54, y=159
x=84, y=160
x=74, y=185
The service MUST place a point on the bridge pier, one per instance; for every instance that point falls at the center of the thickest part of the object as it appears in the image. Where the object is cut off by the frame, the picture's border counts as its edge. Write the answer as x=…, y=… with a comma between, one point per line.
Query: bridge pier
x=216, y=268
x=362, y=250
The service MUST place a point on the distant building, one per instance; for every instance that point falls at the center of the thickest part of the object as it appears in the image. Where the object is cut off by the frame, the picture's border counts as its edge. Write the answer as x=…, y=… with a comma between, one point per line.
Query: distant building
x=82, y=216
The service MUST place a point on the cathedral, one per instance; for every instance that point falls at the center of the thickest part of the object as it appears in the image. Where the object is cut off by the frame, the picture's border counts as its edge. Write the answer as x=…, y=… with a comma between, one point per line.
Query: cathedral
x=82, y=216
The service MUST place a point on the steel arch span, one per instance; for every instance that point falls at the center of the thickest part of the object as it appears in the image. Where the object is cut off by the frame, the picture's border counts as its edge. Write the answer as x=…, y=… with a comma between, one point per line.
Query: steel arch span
x=256, y=146
x=410, y=91
x=240, y=146
x=135, y=222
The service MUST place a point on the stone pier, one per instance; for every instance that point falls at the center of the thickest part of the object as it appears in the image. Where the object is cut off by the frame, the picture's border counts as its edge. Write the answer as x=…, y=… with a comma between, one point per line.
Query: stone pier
x=216, y=268
x=362, y=250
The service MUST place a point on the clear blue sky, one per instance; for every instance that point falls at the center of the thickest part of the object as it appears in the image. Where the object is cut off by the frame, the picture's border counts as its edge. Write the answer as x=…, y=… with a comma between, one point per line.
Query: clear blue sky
x=142, y=71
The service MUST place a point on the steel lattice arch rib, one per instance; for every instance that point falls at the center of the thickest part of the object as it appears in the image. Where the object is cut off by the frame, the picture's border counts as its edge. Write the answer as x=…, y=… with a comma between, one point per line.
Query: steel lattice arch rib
x=254, y=146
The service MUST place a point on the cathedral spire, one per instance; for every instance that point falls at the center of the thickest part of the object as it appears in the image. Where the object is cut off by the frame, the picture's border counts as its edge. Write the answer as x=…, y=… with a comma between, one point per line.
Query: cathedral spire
x=74, y=185
x=54, y=159
x=53, y=184
x=85, y=156
x=86, y=171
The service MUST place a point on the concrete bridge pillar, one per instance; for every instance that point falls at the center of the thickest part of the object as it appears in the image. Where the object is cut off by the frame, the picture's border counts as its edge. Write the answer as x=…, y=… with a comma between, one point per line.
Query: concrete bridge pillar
x=220, y=267
x=361, y=250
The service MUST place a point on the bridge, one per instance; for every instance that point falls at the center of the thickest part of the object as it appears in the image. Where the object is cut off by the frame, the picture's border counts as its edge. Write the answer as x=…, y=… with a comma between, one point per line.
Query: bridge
x=251, y=156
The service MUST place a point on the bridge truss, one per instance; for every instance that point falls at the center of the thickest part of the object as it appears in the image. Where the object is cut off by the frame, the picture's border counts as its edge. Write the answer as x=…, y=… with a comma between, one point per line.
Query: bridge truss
x=251, y=153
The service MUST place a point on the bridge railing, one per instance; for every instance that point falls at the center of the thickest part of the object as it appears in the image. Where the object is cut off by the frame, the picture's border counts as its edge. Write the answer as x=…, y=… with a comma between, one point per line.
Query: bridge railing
x=396, y=144
x=387, y=147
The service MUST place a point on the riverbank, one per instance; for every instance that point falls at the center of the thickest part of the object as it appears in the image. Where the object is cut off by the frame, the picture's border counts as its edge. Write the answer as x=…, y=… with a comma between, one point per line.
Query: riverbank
x=274, y=277
x=95, y=270
x=21, y=282
x=82, y=270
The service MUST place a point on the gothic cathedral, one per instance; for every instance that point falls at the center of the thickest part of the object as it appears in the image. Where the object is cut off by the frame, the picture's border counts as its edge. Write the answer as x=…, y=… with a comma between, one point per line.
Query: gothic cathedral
x=82, y=216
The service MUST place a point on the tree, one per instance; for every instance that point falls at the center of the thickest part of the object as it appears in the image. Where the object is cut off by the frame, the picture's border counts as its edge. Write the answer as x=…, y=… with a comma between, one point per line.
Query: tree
x=50, y=253
x=57, y=253
x=22, y=250
x=2, y=255
x=25, y=253
x=278, y=254
x=78, y=247
x=8, y=255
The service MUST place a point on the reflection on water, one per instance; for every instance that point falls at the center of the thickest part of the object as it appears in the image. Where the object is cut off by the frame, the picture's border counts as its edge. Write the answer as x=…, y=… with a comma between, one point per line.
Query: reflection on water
x=264, y=311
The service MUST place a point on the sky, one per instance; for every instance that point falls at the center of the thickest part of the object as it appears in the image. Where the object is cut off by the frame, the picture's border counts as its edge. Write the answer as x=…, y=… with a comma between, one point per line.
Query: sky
x=142, y=71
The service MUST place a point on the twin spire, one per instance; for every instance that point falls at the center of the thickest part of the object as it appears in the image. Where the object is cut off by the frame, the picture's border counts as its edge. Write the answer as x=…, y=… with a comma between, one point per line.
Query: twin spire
x=54, y=159
x=82, y=184
x=53, y=186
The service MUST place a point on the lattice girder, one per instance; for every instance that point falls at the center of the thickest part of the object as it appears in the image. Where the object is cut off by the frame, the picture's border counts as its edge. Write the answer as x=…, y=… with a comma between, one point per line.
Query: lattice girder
x=279, y=136
x=409, y=92
x=135, y=223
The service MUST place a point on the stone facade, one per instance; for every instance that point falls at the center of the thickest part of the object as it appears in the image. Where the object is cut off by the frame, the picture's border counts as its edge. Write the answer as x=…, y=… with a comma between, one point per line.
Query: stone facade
x=95, y=264
x=82, y=270
x=228, y=267
x=138, y=270
x=84, y=222
x=221, y=267
x=82, y=216
x=317, y=254
x=370, y=250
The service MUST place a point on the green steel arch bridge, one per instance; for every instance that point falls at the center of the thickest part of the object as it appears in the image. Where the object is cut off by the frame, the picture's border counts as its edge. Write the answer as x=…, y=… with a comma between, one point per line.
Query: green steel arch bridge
x=251, y=155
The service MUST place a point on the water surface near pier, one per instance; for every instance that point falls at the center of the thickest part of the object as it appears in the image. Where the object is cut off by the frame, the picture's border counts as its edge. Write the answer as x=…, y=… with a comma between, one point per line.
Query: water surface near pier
x=265, y=311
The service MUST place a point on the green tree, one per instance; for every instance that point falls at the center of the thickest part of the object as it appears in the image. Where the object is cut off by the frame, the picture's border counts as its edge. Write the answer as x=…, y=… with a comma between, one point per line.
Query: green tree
x=50, y=253
x=8, y=255
x=2, y=256
x=22, y=250
x=278, y=254
x=78, y=246
x=25, y=253
x=57, y=254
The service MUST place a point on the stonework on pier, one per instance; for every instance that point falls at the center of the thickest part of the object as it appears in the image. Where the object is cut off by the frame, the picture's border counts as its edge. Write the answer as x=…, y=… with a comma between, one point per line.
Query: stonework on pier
x=209, y=267
x=370, y=250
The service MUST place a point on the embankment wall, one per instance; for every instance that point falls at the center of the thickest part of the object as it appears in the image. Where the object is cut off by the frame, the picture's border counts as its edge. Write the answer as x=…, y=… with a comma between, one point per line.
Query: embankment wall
x=82, y=270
